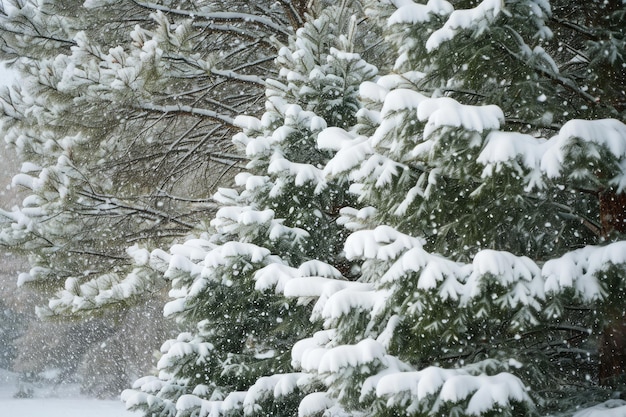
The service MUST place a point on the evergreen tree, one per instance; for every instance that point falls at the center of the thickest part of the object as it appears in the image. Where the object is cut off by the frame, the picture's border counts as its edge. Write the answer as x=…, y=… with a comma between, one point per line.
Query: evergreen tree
x=121, y=120
x=489, y=168
x=277, y=226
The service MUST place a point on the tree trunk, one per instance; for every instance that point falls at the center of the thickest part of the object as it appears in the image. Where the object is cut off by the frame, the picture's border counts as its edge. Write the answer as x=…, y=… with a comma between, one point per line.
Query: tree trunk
x=612, y=349
x=612, y=352
x=612, y=211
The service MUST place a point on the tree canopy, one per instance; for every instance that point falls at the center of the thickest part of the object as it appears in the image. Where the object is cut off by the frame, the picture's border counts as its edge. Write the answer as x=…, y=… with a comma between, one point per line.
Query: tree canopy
x=430, y=222
x=486, y=255
x=123, y=117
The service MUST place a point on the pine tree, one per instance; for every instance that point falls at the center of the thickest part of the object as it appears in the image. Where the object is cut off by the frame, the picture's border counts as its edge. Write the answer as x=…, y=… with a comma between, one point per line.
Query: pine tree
x=102, y=100
x=278, y=226
x=489, y=168
x=121, y=122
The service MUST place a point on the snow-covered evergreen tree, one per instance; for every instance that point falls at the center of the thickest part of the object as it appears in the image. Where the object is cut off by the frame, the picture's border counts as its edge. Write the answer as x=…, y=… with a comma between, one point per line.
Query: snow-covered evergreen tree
x=121, y=120
x=479, y=269
x=279, y=224
x=489, y=168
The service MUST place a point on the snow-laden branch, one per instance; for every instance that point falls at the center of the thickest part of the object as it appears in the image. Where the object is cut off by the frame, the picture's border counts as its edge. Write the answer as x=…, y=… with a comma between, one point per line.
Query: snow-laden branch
x=602, y=140
x=194, y=111
x=219, y=16
x=115, y=202
x=458, y=20
x=525, y=283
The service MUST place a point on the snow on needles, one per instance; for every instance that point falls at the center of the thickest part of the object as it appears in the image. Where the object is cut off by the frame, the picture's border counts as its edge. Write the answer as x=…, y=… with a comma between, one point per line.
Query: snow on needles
x=567, y=153
x=528, y=281
x=455, y=385
x=578, y=145
x=607, y=134
x=525, y=281
x=479, y=16
x=445, y=111
x=411, y=13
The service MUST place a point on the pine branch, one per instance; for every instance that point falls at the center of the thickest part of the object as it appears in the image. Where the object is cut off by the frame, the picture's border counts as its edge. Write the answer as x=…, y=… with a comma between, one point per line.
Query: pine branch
x=219, y=16
x=579, y=29
x=151, y=213
x=564, y=82
x=193, y=111
x=95, y=253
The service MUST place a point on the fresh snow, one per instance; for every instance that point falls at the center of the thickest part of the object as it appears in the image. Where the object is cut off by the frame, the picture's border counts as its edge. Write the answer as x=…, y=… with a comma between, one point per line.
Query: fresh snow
x=464, y=19
x=58, y=401
x=505, y=148
x=488, y=391
x=412, y=13
x=351, y=300
x=578, y=269
x=611, y=408
x=419, y=383
x=484, y=392
x=526, y=281
x=351, y=154
x=314, y=404
x=598, y=139
x=609, y=134
x=276, y=386
x=384, y=243
x=341, y=357
x=371, y=91
x=302, y=173
x=445, y=111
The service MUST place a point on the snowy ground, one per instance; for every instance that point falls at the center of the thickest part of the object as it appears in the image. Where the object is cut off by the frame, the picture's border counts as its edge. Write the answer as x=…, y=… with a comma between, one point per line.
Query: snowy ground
x=63, y=401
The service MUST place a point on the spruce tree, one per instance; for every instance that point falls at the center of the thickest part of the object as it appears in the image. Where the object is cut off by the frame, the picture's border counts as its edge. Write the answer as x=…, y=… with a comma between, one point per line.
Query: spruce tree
x=489, y=169
x=278, y=225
